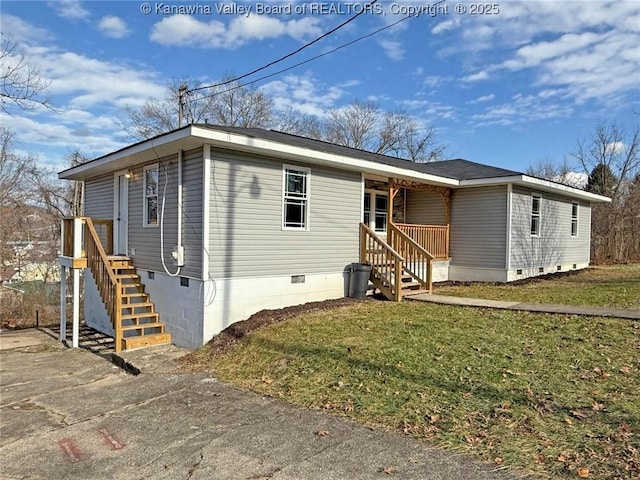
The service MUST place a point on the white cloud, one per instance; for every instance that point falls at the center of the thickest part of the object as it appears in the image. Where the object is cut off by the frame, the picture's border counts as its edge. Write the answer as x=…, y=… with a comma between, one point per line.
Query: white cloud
x=304, y=94
x=185, y=30
x=583, y=51
x=476, y=77
x=522, y=109
x=21, y=31
x=113, y=27
x=392, y=49
x=484, y=98
x=445, y=26
x=70, y=9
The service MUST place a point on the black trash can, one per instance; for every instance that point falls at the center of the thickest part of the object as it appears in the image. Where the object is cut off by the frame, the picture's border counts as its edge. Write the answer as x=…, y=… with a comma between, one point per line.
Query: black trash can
x=359, y=279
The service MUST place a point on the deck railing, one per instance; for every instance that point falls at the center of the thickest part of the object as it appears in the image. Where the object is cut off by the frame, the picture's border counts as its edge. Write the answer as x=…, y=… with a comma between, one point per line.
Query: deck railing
x=386, y=263
x=105, y=279
x=105, y=226
x=417, y=261
x=433, y=238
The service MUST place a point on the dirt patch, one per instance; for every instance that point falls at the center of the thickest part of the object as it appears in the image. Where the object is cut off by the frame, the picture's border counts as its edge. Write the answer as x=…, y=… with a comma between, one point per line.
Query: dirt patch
x=264, y=318
x=515, y=283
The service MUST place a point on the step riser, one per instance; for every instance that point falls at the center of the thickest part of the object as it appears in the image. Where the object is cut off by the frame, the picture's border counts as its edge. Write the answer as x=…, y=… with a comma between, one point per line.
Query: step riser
x=140, y=323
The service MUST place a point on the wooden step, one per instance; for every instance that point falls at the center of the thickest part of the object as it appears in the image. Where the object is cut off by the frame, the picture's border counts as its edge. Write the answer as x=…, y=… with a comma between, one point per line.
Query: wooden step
x=136, y=316
x=130, y=306
x=130, y=296
x=125, y=276
x=142, y=326
x=130, y=343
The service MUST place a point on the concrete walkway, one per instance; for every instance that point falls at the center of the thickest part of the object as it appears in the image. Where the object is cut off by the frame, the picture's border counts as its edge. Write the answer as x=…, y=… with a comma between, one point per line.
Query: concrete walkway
x=72, y=414
x=528, y=306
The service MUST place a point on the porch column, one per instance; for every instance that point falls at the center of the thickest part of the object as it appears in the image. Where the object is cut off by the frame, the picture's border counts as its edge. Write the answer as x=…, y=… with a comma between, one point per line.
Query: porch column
x=76, y=308
x=78, y=227
x=393, y=191
x=63, y=303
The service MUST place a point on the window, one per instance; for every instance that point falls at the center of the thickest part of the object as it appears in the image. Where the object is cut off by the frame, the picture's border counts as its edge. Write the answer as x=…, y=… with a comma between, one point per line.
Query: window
x=295, y=198
x=375, y=210
x=381, y=213
x=574, y=219
x=535, y=215
x=150, y=206
x=367, y=209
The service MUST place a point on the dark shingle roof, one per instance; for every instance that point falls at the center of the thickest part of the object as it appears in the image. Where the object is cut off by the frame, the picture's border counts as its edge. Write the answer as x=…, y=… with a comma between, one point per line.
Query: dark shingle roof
x=458, y=169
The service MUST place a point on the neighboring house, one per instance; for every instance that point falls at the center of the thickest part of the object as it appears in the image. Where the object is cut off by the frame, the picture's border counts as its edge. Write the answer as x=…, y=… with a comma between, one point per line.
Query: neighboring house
x=221, y=222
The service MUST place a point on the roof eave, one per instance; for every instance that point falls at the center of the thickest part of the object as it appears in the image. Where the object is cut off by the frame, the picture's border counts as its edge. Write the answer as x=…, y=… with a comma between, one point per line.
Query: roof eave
x=538, y=184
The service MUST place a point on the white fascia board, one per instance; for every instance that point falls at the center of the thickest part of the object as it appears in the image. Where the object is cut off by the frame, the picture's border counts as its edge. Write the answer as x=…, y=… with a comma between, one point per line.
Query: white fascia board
x=127, y=157
x=292, y=153
x=537, y=183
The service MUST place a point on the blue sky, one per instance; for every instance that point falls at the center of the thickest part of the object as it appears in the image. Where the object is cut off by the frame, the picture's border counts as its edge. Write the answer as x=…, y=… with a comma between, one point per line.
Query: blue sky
x=509, y=86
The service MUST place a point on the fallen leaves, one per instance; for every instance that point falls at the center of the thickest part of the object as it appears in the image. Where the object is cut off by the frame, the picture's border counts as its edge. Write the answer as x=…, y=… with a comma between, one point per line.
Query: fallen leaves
x=583, y=472
x=387, y=470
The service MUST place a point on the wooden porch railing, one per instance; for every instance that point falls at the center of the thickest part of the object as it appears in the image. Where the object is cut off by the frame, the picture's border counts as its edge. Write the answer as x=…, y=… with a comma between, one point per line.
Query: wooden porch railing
x=105, y=278
x=433, y=238
x=106, y=237
x=386, y=263
x=417, y=261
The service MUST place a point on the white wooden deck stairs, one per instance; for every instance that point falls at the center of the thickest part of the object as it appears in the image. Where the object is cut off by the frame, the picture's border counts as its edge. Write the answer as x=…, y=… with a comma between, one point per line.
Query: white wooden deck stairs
x=139, y=322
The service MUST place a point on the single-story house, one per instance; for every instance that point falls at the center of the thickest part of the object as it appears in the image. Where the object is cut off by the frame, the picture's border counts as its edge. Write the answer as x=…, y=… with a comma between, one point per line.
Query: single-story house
x=193, y=230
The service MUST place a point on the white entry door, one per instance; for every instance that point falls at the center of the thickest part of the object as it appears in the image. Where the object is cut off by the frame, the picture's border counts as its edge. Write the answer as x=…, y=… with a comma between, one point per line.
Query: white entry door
x=120, y=213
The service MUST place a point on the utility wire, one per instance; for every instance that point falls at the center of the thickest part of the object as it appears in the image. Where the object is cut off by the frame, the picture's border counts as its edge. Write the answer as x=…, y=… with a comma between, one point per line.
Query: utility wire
x=288, y=55
x=305, y=61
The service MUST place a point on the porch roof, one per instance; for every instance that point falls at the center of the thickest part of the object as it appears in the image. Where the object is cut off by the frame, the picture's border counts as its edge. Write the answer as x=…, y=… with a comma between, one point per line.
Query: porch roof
x=448, y=173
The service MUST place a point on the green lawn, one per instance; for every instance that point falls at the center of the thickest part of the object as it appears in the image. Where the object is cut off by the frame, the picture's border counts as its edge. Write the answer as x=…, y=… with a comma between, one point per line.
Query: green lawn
x=615, y=286
x=542, y=394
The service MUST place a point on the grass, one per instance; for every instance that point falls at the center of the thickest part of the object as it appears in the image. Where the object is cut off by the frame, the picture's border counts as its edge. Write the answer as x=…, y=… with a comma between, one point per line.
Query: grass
x=547, y=395
x=616, y=286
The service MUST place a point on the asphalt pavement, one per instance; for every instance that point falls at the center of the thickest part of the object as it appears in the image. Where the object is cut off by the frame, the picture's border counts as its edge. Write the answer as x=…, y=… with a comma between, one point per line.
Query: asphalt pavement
x=73, y=414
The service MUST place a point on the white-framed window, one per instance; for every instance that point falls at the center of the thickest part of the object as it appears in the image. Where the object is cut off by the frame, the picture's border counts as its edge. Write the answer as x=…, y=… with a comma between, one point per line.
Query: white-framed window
x=574, y=219
x=536, y=202
x=150, y=196
x=295, y=197
x=376, y=204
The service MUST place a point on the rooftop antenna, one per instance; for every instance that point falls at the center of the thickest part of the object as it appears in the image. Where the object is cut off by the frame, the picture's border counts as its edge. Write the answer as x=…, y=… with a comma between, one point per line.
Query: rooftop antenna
x=182, y=91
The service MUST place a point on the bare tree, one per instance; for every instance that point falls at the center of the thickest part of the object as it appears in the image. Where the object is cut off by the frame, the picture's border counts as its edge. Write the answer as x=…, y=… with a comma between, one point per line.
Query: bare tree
x=233, y=105
x=365, y=126
x=610, y=157
x=560, y=172
x=22, y=84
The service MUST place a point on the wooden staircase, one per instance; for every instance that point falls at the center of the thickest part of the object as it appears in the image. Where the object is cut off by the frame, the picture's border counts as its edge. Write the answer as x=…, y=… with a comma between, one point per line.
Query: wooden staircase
x=140, y=324
x=399, y=267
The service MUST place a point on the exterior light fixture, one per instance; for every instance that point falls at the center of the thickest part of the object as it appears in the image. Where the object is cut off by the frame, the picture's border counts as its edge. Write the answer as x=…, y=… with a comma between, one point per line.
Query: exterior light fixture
x=129, y=174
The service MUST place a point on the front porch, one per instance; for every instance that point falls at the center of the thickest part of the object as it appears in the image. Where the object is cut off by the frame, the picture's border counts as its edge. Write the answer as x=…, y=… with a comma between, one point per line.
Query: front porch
x=87, y=245
x=394, y=241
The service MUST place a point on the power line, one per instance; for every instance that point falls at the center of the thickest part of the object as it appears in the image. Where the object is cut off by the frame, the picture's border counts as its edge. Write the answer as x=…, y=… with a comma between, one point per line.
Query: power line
x=291, y=54
x=305, y=61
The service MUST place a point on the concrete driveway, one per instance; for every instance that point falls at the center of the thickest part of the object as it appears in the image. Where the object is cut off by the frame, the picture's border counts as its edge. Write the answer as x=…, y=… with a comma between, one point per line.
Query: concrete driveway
x=69, y=414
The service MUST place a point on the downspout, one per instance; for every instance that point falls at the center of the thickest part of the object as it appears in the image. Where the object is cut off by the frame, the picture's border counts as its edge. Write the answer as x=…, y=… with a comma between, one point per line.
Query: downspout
x=179, y=198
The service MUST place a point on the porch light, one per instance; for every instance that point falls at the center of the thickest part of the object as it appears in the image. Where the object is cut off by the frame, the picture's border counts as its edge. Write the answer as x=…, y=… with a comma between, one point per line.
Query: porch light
x=129, y=174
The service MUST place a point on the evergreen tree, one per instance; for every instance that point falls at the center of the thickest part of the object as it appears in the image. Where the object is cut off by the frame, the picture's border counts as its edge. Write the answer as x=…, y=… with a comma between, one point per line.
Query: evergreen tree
x=602, y=180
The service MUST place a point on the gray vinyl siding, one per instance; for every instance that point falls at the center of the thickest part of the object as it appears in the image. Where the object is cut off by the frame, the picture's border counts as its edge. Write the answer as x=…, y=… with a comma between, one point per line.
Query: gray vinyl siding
x=146, y=240
x=98, y=201
x=246, y=235
x=554, y=246
x=478, y=227
x=425, y=208
x=98, y=196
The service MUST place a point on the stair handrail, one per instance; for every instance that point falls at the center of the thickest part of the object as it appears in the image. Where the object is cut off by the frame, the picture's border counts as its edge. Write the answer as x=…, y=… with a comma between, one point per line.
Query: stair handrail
x=417, y=260
x=105, y=278
x=380, y=260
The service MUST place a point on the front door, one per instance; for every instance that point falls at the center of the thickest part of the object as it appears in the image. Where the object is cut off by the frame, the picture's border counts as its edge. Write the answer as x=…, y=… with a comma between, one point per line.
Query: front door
x=121, y=214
